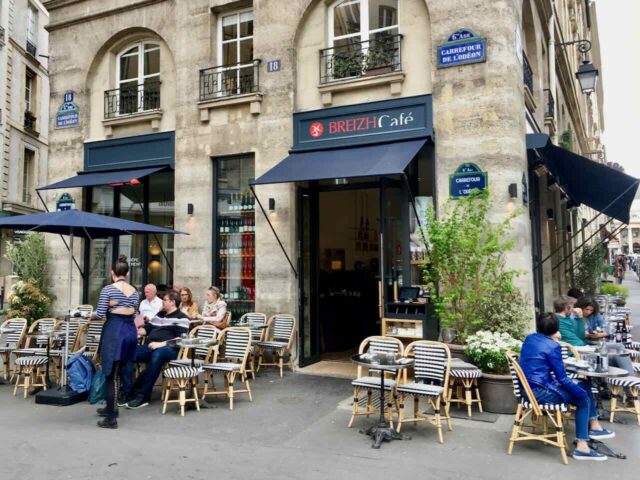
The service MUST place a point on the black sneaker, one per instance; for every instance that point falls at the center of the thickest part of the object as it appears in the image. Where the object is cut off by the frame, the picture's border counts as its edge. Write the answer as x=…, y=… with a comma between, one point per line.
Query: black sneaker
x=108, y=423
x=102, y=412
x=122, y=400
x=137, y=402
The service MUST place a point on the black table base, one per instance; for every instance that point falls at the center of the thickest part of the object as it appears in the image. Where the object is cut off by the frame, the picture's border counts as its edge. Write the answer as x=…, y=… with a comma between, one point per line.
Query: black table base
x=604, y=449
x=383, y=432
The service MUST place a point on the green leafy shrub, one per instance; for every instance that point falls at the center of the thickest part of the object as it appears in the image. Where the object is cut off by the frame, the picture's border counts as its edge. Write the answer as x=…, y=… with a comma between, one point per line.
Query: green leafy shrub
x=30, y=260
x=588, y=271
x=466, y=266
x=613, y=289
x=487, y=350
x=27, y=301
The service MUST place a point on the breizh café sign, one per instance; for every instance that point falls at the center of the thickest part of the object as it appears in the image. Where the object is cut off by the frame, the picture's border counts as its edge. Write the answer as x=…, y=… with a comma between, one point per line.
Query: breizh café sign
x=374, y=122
x=462, y=47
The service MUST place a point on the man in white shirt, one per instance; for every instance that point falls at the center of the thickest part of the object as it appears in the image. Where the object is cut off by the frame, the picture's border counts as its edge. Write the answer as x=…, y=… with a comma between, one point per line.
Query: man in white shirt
x=151, y=305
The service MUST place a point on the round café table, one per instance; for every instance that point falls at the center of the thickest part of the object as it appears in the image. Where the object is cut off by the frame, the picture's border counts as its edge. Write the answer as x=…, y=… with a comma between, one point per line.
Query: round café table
x=598, y=378
x=385, y=363
x=192, y=343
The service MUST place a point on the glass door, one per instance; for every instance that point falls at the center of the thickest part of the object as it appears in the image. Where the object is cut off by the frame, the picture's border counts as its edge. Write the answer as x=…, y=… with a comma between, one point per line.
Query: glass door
x=394, y=225
x=308, y=220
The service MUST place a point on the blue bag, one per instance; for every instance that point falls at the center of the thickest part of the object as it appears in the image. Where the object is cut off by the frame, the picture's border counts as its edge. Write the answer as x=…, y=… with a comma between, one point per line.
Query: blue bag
x=98, y=387
x=80, y=373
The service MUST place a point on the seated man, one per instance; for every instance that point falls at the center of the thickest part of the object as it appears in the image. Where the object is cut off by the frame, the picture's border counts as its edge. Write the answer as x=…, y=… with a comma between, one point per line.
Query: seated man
x=151, y=305
x=540, y=356
x=572, y=326
x=170, y=324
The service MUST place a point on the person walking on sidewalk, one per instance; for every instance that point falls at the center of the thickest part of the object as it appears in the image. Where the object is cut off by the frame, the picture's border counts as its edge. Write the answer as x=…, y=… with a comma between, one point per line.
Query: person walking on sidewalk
x=118, y=302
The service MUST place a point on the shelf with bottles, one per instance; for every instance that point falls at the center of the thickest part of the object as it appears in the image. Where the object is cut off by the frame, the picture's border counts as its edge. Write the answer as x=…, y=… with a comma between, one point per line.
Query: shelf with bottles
x=236, y=214
x=229, y=225
x=400, y=328
x=237, y=293
x=240, y=202
x=237, y=246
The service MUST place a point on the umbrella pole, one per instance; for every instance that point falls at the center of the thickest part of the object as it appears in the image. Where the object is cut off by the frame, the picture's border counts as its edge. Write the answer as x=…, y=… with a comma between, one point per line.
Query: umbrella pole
x=68, y=320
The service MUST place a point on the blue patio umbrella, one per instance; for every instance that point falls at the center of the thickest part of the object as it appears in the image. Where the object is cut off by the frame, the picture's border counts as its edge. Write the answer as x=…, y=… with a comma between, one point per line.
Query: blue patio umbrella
x=75, y=223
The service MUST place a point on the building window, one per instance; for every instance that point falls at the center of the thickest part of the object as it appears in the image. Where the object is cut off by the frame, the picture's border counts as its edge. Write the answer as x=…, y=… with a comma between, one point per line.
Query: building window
x=27, y=174
x=29, y=99
x=32, y=30
x=363, y=37
x=138, y=81
x=235, y=53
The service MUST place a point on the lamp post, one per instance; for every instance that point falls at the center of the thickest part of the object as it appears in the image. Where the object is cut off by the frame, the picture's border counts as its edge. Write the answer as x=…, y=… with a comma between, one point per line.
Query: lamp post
x=587, y=73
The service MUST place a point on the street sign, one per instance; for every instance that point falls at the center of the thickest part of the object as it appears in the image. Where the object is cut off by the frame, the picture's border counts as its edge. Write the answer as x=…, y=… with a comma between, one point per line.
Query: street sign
x=462, y=47
x=68, y=114
x=274, y=66
x=65, y=202
x=466, y=178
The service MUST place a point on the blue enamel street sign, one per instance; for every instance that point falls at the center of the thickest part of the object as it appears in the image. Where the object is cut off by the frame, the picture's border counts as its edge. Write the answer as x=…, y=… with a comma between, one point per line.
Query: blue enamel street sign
x=466, y=178
x=68, y=114
x=462, y=47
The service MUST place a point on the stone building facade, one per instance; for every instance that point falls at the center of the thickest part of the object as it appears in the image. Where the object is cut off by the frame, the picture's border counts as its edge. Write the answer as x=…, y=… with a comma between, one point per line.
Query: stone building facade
x=24, y=111
x=217, y=93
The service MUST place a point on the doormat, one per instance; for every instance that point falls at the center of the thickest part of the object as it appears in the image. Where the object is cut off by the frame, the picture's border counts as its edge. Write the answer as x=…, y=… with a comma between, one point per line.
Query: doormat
x=477, y=416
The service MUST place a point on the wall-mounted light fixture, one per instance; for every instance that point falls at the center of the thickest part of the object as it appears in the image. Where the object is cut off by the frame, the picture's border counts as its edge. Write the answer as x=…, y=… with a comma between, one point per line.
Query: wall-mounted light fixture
x=552, y=184
x=550, y=214
x=540, y=170
x=513, y=190
x=272, y=204
x=189, y=208
x=572, y=205
x=587, y=74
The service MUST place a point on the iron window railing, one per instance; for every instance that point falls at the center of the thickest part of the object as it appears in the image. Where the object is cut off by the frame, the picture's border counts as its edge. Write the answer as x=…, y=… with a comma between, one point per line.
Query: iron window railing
x=29, y=120
x=377, y=56
x=26, y=198
x=229, y=80
x=132, y=99
x=527, y=72
x=551, y=104
x=32, y=49
x=1, y=36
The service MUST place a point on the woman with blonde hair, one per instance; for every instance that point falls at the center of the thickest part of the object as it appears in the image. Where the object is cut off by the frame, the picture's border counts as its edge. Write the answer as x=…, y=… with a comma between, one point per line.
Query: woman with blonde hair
x=214, y=311
x=187, y=305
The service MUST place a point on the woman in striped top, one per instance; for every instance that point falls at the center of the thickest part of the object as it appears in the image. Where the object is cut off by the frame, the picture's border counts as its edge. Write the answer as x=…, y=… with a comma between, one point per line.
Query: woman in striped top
x=118, y=302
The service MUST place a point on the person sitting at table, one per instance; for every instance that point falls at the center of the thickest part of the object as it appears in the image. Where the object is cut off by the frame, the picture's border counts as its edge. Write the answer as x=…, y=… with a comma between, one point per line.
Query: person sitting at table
x=214, y=311
x=581, y=329
x=541, y=356
x=156, y=352
x=187, y=305
x=150, y=306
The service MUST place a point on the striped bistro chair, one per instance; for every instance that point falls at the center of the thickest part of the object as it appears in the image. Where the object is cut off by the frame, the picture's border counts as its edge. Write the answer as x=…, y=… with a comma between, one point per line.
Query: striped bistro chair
x=618, y=386
x=464, y=377
x=58, y=353
x=235, y=343
x=38, y=332
x=201, y=353
x=370, y=383
x=278, y=340
x=430, y=380
x=90, y=334
x=250, y=320
x=528, y=408
x=185, y=379
x=30, y=369
x=85, y=310
x=11, y=341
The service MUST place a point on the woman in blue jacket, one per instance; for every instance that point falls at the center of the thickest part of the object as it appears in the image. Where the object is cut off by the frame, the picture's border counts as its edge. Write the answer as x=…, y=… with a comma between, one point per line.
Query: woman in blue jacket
x=541, y=356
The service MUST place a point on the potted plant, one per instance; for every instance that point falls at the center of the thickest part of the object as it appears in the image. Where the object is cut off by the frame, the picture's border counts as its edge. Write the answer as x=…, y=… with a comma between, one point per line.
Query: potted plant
x=347, y=64
x=380, y=57
x=487, y=350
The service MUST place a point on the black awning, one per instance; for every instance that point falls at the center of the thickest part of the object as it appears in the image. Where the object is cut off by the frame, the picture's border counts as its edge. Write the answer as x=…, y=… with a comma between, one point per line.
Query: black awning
x=370, y=160
x=114, y=177
x=593, y=184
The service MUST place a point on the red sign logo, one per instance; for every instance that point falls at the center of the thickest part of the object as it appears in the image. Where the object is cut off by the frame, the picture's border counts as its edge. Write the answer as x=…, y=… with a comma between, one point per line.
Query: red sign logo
x=316, y=129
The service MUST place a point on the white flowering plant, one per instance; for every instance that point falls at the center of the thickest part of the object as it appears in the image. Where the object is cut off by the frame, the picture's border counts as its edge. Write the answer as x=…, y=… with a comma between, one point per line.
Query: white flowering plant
x=487, y=350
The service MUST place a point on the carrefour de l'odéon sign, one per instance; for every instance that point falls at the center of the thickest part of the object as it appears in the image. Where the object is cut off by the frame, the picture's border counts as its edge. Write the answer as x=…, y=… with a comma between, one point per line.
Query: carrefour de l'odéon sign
x=463, y=46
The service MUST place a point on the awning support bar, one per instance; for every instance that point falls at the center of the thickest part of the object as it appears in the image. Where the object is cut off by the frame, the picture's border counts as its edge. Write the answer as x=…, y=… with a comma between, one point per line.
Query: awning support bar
x=587, y=224
x=608, y=236
x=62, y=237
x=580, y=246
x=273, y=230
x=415, y=210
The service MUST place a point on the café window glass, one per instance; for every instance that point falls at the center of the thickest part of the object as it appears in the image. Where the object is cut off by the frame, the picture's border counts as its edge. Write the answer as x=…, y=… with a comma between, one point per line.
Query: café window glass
x=235, y=246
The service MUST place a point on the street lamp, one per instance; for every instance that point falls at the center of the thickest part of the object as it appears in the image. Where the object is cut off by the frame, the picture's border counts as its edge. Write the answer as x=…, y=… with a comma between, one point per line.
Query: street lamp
x=587, y=74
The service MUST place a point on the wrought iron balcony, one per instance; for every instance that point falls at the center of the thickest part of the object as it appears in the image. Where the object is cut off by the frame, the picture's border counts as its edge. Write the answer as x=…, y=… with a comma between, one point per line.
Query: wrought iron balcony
x=1, y=36
x=129, y=100
x=32, y=49
x=527, y=72
x=551, y=105
x=361, y=59
x=229, y=80
x=29, y=121
x=26, y=197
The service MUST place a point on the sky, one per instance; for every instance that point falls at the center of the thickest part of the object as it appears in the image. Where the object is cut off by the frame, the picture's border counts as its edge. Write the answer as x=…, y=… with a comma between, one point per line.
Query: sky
x=617, y=23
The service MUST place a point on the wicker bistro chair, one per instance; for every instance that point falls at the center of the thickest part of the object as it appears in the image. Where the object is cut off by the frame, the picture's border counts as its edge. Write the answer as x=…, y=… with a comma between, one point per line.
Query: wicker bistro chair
x=528, y=408
x=201, y=353
x=184, y=379
x=250, y=320
x=278, y=340
x=235, y=343
x=370, y=383
x=58, y=352
x=37, y=332
x=11, y=341
x=632, y=393
x=430, y=381
x=90, y=334
x=30, y=369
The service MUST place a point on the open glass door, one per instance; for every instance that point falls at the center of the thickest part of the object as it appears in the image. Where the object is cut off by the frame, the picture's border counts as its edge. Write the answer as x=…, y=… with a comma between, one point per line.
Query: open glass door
x=394, y=228
x=309, y=332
